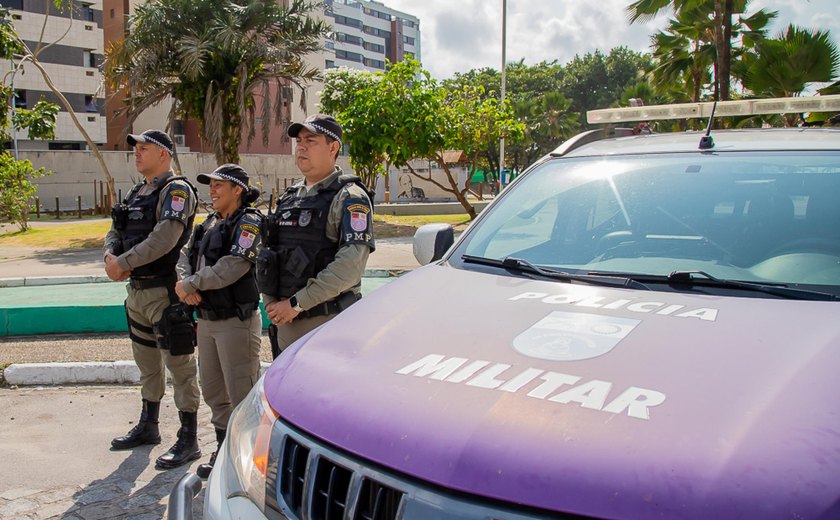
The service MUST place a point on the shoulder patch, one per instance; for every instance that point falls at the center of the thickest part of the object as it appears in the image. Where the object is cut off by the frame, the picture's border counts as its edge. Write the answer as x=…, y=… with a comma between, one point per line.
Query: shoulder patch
x=246, y=239
x=357, y=221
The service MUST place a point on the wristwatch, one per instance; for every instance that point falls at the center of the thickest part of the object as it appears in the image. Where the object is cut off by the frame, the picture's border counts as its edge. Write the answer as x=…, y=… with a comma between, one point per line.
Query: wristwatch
x=294, y=303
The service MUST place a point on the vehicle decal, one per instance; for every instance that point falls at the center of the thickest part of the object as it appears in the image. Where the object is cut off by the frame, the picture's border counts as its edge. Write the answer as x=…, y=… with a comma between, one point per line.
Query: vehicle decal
x=594, y=394
x=599, y=302
x=573, y=336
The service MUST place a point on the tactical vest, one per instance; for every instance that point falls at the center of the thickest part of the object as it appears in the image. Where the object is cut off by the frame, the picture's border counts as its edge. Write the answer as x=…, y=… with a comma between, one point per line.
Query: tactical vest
x=297, y=232
x=135, y=218
x=237, y=299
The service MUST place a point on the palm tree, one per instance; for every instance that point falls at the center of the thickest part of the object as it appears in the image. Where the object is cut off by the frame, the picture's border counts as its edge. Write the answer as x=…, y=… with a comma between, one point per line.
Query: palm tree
x=683, y=54
x=720, y=15
x=784, y=66
x=217, y=61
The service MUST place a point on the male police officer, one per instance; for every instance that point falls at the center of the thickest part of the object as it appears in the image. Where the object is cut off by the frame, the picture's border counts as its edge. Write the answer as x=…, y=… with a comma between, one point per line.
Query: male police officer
x=149, y=229
x=217, y=276
x=317, y=240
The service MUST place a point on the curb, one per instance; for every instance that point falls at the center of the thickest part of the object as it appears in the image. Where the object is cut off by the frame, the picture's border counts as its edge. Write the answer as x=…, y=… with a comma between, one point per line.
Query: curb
x=77, y=373
x=40, y=281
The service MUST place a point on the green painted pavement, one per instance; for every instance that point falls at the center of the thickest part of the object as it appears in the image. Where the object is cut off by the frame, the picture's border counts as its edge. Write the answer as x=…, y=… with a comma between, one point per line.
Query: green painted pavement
x=79, y=308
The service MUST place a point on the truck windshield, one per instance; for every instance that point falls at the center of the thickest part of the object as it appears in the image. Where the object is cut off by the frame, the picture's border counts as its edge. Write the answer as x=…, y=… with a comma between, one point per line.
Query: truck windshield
x=769, y=217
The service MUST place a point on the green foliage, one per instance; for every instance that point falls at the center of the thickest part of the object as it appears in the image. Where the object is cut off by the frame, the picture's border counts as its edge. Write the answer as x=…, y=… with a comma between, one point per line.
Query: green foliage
x=220, y=61
x=597, y=81
x=404, y=114
x=16, y=189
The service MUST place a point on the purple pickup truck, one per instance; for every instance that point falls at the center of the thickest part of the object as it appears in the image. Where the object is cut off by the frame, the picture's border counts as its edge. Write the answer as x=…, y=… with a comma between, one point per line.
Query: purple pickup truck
x=638, y=327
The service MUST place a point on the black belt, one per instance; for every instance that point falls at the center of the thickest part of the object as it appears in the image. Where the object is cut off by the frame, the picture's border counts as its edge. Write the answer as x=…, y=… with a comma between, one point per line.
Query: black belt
x=157, y=281
x=330, y=307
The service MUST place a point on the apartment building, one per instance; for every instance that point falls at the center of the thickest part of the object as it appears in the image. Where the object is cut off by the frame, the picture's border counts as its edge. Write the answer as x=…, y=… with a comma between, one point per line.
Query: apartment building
x=367, y=33
x=72, y=41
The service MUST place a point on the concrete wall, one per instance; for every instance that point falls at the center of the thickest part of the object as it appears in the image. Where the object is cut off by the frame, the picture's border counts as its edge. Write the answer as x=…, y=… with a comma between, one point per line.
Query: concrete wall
x=74, y=173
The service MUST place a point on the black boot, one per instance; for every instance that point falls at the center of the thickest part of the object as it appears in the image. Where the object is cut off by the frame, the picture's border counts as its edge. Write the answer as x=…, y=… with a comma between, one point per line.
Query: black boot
x=185, y=448
x=144, y=432
x=204, y=470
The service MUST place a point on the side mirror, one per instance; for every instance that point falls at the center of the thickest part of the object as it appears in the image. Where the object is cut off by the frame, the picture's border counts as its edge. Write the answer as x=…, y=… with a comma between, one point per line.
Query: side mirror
x=432, y=241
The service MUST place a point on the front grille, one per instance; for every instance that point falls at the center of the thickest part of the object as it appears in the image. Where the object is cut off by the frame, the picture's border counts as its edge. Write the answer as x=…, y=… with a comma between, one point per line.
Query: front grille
x=377, y=501
x=293, y=474
x=329, y=495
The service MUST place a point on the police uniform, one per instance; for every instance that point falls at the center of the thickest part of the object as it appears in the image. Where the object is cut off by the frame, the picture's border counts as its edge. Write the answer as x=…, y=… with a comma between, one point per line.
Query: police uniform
x=149, y=228
x=218, y=263
x=315, y=248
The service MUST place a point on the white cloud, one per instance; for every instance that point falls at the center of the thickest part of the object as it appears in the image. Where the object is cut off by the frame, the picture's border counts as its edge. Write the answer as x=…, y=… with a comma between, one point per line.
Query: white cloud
x=459, y=35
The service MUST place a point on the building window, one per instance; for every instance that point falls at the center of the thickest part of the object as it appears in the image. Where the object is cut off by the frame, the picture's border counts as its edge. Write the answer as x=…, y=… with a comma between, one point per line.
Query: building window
x=64, y=146
x=349, y=56
x=376, y=64
x=12, y=4
x=351, y=22
x=409, y=40
x=112, y=13
x=20, y=99
x=90, y=104
x=374, y=47
x=348, y=38
x=409, y=23
x=330, y=64
x=87, y=13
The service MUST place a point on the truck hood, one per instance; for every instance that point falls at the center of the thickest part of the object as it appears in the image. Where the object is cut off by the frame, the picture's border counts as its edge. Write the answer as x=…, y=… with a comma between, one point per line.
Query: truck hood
x=589, y=400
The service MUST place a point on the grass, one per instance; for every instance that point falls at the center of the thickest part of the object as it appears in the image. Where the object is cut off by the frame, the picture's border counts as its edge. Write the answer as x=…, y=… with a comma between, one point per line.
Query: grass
x=84, y=234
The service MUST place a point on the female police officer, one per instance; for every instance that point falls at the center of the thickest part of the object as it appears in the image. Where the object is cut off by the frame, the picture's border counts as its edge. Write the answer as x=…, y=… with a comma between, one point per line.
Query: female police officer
x=217, y=276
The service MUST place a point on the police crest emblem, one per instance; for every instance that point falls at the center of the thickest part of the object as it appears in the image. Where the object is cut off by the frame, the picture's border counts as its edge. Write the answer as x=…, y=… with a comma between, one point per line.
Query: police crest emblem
x=573, y=336
x=305, y=218
x=358, y=220
x=246, y=239
x=177, y=203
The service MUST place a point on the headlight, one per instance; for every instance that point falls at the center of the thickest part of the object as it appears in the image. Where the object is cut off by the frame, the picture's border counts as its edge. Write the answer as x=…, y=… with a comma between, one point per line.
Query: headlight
x=247, y=443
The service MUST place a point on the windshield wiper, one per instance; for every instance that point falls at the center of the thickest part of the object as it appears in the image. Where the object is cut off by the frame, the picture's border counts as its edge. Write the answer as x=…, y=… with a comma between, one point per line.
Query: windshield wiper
x=518, y=264
x=705, y=279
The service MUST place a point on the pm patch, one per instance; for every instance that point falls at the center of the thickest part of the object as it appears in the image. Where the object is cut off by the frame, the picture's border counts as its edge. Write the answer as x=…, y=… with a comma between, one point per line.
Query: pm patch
x=356, y=224
x=247, y=241
x=176, y=205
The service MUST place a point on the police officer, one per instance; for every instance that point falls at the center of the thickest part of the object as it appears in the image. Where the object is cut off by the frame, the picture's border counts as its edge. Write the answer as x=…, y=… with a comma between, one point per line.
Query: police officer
x=317, y=240
x=217, y=276
x=149, y=228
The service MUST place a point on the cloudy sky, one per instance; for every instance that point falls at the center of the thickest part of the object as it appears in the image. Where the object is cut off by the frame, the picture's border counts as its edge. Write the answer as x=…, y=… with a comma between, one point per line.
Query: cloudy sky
x=459, y=35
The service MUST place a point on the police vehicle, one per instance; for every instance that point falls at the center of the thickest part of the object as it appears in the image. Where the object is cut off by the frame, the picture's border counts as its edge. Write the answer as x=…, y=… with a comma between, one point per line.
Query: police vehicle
x=640, y=326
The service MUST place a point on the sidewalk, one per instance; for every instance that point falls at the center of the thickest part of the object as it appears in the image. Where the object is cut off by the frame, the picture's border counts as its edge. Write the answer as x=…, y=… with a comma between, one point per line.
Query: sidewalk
x=65, y=295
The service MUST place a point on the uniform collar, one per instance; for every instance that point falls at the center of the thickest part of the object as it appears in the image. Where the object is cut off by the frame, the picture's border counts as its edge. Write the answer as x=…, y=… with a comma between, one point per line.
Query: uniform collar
x=324, y=182
x=162, y=177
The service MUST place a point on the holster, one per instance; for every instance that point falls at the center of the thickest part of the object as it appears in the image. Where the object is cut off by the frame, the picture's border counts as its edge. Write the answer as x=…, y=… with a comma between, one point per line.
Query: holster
x=176, y=330
x=272, y=338
x=119, y=216
x=268, y=271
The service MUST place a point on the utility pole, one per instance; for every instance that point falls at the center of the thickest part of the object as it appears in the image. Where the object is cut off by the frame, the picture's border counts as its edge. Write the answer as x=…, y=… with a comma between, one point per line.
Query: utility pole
x=504, y=82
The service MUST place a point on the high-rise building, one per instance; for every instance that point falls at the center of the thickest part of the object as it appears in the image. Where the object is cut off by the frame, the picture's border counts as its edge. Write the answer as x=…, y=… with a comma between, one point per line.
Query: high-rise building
x=71, y=49
x=367, y=33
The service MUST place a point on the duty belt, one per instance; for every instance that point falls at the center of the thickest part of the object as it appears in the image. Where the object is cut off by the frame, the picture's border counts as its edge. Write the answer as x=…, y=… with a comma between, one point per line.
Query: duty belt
x=155, y=281
x=215, y=315
x=327, y=308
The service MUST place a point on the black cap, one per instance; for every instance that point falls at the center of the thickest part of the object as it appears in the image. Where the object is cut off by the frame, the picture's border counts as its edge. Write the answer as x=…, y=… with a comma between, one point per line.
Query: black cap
x=227, y=172
x=157, y=137
x=318, y=124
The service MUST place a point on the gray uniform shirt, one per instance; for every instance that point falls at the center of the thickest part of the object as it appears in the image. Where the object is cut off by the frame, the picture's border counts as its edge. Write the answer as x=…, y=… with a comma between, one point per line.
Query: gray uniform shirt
x=345, y=271
x=163, y=237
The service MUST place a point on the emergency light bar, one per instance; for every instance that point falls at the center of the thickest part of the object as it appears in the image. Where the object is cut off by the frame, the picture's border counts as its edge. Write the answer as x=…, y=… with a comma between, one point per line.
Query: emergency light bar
x=743, y=107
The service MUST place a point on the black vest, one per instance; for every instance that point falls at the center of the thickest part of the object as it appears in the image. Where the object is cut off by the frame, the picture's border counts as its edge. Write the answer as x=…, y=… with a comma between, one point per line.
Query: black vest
x=296, y=231
x=135, y=218
x=239, y=298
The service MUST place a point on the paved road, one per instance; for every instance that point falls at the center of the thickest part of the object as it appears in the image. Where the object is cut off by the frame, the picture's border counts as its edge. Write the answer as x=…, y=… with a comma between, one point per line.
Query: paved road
x=54, y=444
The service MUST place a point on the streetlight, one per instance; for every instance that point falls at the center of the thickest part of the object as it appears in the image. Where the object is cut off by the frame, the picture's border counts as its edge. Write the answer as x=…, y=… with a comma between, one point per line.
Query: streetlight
x=502, y=139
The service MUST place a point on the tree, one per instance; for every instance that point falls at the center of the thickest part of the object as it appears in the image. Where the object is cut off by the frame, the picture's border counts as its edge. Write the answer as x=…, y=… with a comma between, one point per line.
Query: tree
x=784, y=66
x=403, y=114
x=16, y=187
x=217, y=61
x=596, y=81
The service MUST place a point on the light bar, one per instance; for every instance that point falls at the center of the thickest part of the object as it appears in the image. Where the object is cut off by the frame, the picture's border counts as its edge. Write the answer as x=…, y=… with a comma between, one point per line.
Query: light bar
x=742, y=107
